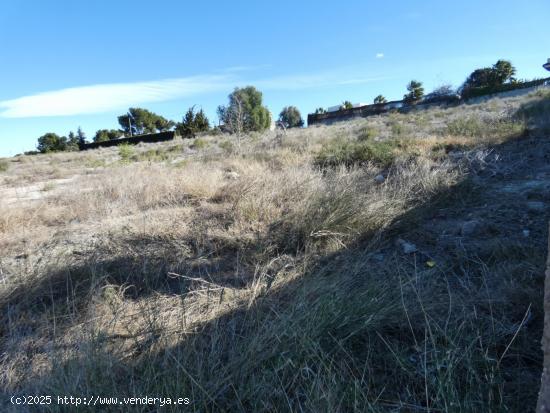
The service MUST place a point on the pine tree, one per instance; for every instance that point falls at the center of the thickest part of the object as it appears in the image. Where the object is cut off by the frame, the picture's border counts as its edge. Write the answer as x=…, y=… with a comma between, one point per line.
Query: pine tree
x=81, y=137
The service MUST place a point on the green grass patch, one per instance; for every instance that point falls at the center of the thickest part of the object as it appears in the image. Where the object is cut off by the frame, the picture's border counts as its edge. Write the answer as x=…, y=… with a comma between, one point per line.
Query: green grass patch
x=343, y=152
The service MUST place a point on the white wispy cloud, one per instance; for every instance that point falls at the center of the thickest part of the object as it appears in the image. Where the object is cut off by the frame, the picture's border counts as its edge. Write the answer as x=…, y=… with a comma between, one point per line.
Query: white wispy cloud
x=115, y=96
x=379, y=55
x=106, y=97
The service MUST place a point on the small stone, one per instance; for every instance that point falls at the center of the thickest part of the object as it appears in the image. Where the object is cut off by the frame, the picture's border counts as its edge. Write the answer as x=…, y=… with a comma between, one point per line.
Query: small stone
x=536, y=206
x=407, y=247
x=526, y=233
x=379, y=178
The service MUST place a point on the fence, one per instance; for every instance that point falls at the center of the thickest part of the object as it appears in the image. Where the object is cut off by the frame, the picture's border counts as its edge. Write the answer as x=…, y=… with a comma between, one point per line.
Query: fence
x=149, y=138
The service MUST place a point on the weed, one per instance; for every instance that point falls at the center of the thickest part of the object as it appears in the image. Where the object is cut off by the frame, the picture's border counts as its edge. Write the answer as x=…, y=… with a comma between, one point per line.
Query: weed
x=126, y=152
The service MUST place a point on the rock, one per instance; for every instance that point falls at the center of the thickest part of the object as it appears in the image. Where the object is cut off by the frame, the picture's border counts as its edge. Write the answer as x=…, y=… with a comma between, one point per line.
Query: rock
x=536, y=206
x=379, y=178
x=406, y=247
x=526, y=233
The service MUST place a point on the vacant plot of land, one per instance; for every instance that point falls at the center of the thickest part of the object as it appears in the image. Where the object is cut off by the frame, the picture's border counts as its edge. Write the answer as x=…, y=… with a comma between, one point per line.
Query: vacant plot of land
x=388, y=264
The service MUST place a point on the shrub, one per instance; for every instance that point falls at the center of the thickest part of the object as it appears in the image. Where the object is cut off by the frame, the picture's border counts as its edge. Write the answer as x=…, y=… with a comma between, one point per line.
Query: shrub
x=348, y=153
x=152, y=155
x=4, y=165
x=485, y=128
x=126, y=152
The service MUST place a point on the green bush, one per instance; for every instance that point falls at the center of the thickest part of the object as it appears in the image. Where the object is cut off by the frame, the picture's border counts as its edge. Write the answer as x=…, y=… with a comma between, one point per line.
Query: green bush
x=4, y=165
x=126, y=152
x=348, y=153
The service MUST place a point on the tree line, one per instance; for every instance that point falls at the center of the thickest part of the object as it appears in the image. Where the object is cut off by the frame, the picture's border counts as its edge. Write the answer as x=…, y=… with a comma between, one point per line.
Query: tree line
x=480, y=82
x=245, y=111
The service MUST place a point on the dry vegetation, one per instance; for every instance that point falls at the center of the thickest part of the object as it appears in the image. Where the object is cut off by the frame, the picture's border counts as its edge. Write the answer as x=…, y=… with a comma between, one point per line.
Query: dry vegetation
x=264, y=275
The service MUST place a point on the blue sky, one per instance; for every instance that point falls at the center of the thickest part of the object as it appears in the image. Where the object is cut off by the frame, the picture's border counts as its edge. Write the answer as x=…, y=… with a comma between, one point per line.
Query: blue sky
x=65, y=64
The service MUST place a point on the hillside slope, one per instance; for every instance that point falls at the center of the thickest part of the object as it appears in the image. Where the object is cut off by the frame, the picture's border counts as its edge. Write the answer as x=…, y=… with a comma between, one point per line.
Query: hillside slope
x=388, y=264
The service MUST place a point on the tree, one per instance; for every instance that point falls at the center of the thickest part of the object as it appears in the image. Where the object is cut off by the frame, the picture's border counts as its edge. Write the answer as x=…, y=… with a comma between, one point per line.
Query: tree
x=140, y=121
x=416, y=91
x=443, y=90
x=193, y=123
x=245, y=111
x=290, y=117
x=51, y=142
x=103, y=135
x=380, y=99
x=163, y=124
x=81, y=137
x=72, y=142
x=504, y=71
x=346, y=105
x=320, y=111
x=489, y=77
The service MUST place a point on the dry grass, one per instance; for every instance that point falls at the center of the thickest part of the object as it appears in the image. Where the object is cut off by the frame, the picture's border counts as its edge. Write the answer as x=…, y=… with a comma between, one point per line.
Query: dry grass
x=254, y=277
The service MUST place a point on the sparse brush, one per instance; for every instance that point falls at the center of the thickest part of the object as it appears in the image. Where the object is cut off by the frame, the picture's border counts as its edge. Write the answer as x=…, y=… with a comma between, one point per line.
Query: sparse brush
x=269, y=278
x=483, y=128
